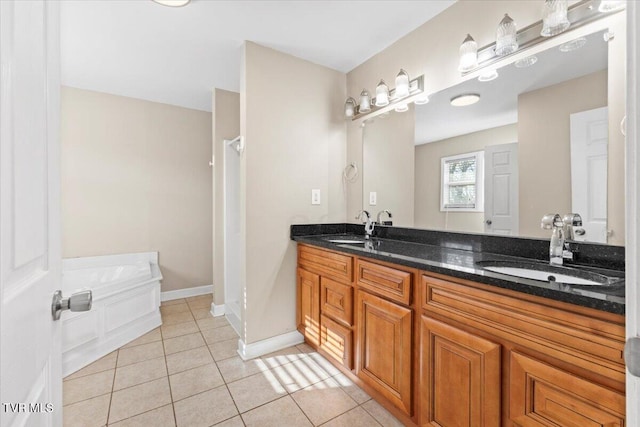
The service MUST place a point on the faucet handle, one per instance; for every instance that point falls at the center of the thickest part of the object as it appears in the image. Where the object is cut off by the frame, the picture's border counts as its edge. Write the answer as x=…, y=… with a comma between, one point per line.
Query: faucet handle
x=573, y=219
x=549, y=221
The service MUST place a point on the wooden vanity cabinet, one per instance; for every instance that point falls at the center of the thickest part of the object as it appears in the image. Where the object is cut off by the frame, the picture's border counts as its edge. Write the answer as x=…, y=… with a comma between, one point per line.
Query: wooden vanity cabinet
x=442, y=351
x=325, y=302
x=516, y=359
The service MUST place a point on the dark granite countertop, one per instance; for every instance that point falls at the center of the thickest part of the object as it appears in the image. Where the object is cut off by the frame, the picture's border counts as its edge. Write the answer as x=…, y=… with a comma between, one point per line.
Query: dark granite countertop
x=461, y=263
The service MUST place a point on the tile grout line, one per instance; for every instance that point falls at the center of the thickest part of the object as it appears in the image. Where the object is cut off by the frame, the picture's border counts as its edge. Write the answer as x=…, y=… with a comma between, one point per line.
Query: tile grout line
x=112, y=386
x=166, y=367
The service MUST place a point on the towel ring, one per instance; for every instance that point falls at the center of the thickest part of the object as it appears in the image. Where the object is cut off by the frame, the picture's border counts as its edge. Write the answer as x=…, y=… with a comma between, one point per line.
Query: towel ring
x=350, y=172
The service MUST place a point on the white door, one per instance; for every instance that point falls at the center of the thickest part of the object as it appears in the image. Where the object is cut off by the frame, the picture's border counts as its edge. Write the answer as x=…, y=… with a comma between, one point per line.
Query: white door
x=589, y=141
x=232, y=236
x=30, y=258
x=501, y=189
x=632, y=191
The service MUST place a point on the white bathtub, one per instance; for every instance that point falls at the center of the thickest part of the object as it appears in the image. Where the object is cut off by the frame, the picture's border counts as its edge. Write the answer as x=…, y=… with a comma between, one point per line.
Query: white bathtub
x=126, y=305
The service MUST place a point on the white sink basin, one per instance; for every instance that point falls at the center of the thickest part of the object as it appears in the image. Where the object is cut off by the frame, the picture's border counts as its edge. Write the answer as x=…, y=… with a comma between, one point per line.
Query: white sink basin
x=346, y=241
x=550, y=273
x=545, y=276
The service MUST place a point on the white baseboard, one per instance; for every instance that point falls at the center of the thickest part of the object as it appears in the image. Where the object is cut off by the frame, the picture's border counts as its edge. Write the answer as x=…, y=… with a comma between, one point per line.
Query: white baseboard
x=217, y=310
x=186, y=293
x=259, y=348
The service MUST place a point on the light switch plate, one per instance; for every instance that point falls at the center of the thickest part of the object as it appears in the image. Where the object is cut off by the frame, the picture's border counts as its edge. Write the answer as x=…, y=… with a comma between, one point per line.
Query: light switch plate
x=315, y=196
x=373, y=198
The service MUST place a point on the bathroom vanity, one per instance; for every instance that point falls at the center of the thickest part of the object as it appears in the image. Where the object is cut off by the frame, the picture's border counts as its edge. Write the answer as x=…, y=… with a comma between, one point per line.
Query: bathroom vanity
x=415, y=319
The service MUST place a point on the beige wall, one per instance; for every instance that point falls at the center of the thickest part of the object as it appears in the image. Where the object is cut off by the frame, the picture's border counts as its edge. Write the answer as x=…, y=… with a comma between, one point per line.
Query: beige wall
x=388, y=158
x=225, y=125
x=544, y=139
x=135, y=178
x=292, y=119
x=427, y=165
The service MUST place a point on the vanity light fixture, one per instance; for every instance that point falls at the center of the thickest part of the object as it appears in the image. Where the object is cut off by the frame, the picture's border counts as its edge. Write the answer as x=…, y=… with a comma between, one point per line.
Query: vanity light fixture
x=526, y=62
x=554, y=17
x=387, y=98
x=465, y=99
x=506, y=36
x=572, y=45
x=468, y=54
x=350, y=107
x=610, y=5
x=172, y=3
x=402, y=84
x=488, y=75
x=382, y=94
x=365, y=101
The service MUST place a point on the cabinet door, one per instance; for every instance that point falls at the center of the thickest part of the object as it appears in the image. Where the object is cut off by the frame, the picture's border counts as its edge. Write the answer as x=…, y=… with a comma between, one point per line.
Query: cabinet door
x=384, y=348
x=460, y=377
x=543, y=395
x=308, y=312
x=337, y=341
x=336, y=300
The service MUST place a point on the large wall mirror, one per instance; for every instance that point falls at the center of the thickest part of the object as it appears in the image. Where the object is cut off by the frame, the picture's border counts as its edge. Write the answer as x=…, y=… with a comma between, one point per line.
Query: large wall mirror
x=541, y=139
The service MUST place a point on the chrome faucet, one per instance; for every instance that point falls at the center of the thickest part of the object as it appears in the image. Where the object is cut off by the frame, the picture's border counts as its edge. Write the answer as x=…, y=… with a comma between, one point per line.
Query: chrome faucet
x=569, y=221
x=379, y=218
x=556, y=245
x=368, y=224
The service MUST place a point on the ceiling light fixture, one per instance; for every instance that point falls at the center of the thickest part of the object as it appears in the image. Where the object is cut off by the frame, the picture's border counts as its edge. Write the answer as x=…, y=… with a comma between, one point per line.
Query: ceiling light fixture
x=506, y=36
x=465, y=99
x=554, y=18
x=172, y=3
x=468, y=54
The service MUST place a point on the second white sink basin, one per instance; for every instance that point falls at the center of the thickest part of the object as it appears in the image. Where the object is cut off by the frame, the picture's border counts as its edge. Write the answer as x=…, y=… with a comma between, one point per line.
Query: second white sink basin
x=545, y=276
x=346, y=241
x=551, y=273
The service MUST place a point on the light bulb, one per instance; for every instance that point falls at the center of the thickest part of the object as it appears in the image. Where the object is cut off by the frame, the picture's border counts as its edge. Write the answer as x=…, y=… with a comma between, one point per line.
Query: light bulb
x=402, y=84
x=382, y=94
x=506, y=36
x=554, y=17
x=365, y=101
x=468, y=54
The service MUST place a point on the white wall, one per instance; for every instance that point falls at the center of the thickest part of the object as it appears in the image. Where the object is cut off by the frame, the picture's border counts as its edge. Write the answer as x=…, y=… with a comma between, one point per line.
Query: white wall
x=136, y=178
x=292, y=119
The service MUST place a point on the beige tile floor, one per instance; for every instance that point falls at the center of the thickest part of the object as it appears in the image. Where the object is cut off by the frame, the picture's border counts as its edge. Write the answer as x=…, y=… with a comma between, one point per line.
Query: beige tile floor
x=187, y=373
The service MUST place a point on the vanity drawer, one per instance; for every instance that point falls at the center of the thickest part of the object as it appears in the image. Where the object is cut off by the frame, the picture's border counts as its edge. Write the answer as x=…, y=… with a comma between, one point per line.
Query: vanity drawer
x=575, y=338
x=385, y=281
x=326, y=263
x=336, y=301
x=336, y=341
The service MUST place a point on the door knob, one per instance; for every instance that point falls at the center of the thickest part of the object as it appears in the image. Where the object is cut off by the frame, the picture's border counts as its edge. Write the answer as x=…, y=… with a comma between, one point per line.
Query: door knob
x=488, y=222
x=80, y=301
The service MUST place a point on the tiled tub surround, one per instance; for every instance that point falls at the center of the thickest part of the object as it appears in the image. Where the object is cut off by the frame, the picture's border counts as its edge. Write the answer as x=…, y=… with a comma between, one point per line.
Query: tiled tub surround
x=456, y=255
x=187, y=373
